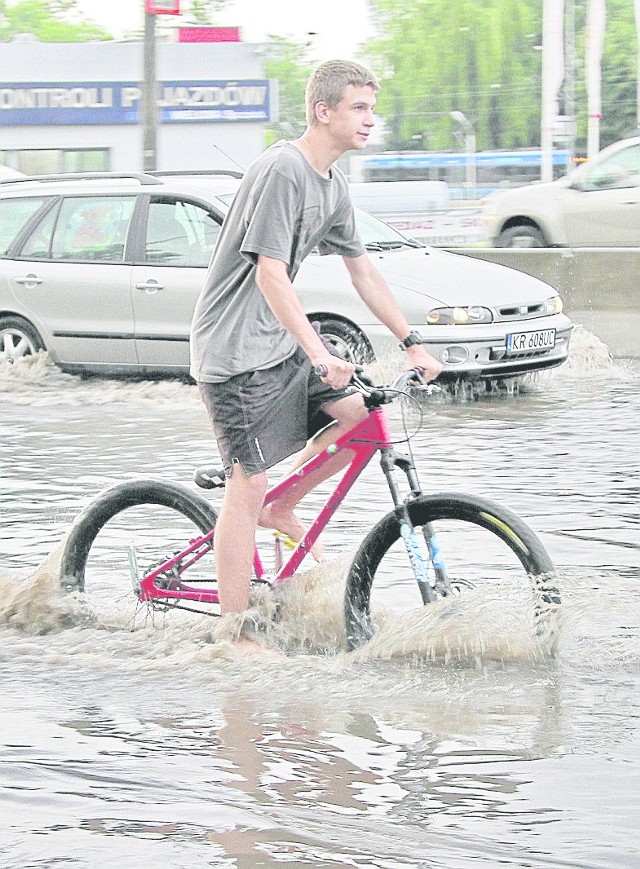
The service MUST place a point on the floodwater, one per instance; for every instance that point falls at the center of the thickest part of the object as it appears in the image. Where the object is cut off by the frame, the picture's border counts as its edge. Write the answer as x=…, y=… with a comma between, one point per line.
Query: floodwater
x=150, y=743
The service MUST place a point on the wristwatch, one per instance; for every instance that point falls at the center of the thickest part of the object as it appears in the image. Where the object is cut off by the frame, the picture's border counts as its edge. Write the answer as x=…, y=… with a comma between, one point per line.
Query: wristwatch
x=411, y=339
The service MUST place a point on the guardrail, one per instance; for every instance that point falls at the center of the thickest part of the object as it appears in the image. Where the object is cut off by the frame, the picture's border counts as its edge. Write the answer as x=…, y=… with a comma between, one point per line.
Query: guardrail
x=600, y=287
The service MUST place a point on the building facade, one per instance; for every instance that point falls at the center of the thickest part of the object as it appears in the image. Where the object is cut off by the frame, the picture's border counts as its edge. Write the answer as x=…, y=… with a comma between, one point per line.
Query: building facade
x=77, y=106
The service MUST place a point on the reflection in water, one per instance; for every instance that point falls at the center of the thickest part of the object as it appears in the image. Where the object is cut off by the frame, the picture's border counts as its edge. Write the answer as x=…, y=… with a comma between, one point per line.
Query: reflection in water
x=148, y=742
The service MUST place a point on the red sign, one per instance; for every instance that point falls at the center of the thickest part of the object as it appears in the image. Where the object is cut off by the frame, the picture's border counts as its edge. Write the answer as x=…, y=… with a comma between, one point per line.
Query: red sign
x=162, y=7
x=208, y=34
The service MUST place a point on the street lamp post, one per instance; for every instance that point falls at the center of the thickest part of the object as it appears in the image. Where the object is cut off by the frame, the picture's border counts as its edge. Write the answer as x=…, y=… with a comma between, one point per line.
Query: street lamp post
x=470, y=151
x=149, y=106
x=150, y=85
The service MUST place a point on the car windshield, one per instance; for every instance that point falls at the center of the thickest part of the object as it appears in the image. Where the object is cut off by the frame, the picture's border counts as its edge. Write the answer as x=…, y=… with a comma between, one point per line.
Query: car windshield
x=375, y=234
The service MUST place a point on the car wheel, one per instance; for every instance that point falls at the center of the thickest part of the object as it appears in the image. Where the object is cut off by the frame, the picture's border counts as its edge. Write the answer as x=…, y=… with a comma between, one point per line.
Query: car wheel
x=347, y=339
x=521, y=236
x=18, y=339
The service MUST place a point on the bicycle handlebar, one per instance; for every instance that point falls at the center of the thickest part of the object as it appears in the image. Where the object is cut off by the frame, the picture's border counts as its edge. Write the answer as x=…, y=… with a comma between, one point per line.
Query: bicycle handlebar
x=377, y=395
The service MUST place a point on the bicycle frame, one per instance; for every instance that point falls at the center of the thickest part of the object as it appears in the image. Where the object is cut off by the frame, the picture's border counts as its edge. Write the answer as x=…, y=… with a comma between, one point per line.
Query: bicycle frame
x=365, y=439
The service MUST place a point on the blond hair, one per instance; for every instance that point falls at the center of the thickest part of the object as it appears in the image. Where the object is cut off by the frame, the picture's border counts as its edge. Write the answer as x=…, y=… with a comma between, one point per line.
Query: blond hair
x=328, y=82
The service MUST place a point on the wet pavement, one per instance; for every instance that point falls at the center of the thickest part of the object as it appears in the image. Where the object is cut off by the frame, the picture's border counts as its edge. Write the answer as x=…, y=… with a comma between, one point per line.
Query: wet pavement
x=158, y=745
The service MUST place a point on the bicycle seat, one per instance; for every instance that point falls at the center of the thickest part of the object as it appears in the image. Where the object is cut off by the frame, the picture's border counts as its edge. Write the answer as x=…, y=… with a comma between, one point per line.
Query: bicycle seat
x=209, y=478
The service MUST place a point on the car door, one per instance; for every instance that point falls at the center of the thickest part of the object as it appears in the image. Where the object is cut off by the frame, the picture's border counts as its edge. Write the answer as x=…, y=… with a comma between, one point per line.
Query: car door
x=179, y=235
x=70, y=273
x=603, y=210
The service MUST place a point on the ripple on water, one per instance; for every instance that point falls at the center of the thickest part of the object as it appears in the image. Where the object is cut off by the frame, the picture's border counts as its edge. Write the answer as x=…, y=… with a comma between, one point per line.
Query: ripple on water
x=449, y=741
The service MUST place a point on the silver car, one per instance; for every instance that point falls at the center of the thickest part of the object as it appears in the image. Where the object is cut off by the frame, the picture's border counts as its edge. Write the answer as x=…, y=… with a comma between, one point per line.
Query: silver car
x=596, y=205
x=103, y=270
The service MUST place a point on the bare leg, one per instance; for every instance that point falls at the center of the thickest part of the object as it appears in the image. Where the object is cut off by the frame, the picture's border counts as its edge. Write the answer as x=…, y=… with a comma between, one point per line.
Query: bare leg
x=235, y=547
x=279, y=514
x=235, y=538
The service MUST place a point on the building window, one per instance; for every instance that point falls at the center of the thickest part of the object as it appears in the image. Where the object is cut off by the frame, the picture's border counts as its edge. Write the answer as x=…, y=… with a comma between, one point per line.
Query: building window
x=50, y=161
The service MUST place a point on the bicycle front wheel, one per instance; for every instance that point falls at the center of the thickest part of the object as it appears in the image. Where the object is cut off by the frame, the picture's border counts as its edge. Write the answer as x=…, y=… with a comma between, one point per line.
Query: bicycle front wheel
x=151, y=518
x=463, y=541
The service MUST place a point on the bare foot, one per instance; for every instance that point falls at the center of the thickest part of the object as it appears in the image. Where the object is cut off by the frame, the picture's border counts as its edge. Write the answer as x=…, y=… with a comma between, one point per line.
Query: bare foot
x=251, y=649
x=288, y=523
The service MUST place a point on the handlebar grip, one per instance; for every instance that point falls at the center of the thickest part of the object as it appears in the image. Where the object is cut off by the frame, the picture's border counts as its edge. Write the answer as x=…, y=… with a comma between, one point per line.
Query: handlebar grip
x=322, y=370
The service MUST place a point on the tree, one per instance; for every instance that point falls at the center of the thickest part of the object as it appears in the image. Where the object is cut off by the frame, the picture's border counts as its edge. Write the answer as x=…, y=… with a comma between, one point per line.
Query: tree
x=48, y=21
x=483, y=58
x=203, y=11
x=62, y=21
x=287, y=62
x=619, y=74
x=474, y=56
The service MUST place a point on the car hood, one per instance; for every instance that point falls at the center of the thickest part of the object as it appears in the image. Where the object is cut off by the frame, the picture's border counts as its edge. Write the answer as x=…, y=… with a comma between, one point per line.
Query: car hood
x=447, y=278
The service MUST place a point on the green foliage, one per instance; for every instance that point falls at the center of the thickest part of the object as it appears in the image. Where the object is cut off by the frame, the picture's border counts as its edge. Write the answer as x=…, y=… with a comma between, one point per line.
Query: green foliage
x=473, y=56
x=61, y=20
x=203, y=11
x=619, y=58
x=483, y=58
x=287, y=62
x=47, y=21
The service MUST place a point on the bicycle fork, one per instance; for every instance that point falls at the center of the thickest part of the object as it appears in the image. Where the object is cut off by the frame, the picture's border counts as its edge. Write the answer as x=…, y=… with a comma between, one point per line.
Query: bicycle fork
x=431, y=584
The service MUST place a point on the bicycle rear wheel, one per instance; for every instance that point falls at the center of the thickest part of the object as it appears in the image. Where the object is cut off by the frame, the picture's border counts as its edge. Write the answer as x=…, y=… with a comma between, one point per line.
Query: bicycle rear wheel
x=479, y=541
x=156, y=519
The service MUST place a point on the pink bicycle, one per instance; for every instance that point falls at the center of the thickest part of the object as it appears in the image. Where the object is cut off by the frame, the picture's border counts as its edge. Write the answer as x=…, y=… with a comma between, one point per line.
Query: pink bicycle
x=441, y=543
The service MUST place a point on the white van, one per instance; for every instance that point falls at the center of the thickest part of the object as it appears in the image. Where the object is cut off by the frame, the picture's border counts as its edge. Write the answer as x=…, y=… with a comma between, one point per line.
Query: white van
x=391, y=198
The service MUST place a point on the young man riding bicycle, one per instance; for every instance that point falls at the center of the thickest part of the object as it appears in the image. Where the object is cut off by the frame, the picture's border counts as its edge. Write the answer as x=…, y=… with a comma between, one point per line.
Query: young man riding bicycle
x=254, y=352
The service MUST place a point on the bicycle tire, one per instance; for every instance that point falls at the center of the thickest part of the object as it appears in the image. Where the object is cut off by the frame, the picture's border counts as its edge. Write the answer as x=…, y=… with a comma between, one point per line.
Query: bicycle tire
x=467, y=510
x=116, y=500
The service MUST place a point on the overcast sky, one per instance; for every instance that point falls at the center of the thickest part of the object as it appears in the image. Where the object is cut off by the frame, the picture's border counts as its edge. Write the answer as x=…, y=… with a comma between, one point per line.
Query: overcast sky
x=340, y=25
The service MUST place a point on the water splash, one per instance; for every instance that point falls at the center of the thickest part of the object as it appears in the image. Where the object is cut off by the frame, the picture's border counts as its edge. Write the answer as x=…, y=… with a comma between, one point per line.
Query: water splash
x=587, y=354
x=36, y=605
x=302, y=616
x=37, y=381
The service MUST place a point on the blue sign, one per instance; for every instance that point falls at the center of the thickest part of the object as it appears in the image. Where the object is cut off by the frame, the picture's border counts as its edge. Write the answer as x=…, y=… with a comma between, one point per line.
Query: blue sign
x=119, y=102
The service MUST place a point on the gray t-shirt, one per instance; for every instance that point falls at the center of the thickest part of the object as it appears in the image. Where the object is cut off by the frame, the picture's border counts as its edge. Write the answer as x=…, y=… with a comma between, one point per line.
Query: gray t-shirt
x=283, y=209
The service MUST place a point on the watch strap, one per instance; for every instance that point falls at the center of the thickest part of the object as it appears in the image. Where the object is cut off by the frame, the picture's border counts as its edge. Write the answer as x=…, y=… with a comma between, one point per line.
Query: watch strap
x=412, y=338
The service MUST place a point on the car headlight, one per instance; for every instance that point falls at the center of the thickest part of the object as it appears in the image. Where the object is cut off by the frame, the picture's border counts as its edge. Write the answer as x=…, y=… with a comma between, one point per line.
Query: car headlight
x=459, y=316
x=553, y=305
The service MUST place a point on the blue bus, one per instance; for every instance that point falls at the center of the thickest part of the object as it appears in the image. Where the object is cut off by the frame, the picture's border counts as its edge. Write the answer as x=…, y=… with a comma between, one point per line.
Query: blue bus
x=493, y=170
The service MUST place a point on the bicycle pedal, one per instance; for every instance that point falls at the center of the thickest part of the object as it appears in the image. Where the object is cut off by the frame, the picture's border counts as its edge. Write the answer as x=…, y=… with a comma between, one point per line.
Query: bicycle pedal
x=210, y=478
x=287, y=541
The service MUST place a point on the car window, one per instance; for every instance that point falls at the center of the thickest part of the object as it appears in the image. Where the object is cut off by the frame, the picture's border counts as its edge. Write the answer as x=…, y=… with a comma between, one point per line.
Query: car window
x=38, y=244
x=14, y=213
x=92, y=228
x=618, y=170
x=179, y=232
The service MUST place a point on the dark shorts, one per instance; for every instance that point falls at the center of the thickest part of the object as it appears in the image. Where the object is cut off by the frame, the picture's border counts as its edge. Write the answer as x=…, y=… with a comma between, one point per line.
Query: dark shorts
x=262, y=417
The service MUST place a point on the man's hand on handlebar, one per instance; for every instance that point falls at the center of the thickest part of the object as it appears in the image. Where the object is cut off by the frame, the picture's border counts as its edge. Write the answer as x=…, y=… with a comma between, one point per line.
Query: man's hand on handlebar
x=418, y=357
x=335, y=371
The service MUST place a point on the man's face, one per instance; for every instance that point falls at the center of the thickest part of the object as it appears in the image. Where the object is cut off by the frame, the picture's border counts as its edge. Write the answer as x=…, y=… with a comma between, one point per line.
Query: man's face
x=351, y=120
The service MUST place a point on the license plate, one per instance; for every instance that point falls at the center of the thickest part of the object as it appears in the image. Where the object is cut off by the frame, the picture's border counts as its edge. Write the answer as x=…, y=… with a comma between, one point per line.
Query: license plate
x=529, y=342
